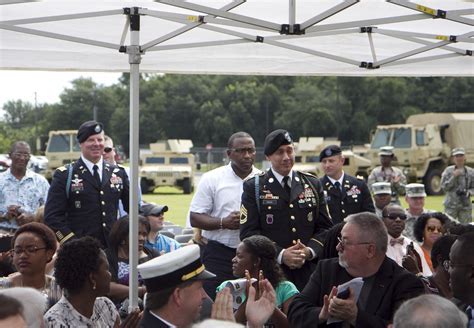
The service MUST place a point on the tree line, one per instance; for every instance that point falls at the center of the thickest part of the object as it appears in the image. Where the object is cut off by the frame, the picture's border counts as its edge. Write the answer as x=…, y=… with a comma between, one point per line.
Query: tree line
x=207, y=109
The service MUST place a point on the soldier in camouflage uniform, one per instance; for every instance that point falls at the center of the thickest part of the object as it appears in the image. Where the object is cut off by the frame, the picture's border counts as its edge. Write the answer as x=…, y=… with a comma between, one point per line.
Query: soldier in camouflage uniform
x=458, y=182
x=388, y=173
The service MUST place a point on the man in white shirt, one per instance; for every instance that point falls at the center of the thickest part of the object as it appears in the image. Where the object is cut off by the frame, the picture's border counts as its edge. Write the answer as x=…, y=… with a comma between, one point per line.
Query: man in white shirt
x=215, y=208
x=394, y=218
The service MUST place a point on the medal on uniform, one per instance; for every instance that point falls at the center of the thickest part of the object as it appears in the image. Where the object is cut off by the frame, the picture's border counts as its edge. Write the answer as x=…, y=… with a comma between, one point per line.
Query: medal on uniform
x=77, y=185
x=270, y=180
x=269, y=219
x=310, y=216
x=308, y=192
x=77, y=204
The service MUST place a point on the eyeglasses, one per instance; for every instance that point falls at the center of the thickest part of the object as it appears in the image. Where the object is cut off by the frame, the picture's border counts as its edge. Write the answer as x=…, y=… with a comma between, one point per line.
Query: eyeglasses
x=244, y=150
x=28, y=250
x=448, y=264
x=21, y=155
x=108, y=149
x=395, y=216
x=434, y=228
x=344, y=243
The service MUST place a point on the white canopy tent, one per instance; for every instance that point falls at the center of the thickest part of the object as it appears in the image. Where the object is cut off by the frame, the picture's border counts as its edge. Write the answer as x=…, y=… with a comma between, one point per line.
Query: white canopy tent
x=268, y=37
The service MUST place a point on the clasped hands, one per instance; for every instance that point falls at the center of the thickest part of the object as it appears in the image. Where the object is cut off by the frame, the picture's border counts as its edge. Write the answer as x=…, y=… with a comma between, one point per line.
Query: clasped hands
x=295, y=256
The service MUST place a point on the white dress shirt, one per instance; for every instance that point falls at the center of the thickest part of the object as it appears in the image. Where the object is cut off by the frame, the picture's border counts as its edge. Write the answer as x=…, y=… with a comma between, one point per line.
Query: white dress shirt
x=398, y=251
x=90, y=165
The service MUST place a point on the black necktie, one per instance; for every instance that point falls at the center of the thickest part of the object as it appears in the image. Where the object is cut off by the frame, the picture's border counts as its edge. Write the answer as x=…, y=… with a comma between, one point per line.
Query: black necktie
x=96, y=174
x=337, y=185
x=286, y=186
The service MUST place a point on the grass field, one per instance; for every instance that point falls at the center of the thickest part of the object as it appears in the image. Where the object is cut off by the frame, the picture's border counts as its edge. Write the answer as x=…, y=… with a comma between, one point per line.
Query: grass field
x=178, y=203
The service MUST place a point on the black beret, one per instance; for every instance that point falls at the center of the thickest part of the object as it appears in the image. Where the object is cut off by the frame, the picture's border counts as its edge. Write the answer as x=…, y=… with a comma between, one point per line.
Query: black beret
x=329, y=151
x=88, y=129
x=275, y=139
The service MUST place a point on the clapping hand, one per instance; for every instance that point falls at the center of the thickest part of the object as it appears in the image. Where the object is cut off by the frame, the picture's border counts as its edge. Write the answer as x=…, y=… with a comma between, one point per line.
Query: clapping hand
x=261, y=304
x=222, y=307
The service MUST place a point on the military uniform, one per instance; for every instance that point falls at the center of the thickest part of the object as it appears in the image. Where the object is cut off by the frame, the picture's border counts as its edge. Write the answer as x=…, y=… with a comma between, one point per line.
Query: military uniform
x=269, y=211
x=380, y=174
x=87, y=208
x=353, y=198
x=457, y=202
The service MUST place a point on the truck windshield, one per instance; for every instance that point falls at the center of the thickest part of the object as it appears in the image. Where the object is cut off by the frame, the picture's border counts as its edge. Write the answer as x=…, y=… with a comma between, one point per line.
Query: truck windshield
x=402, y=138
x=155, y=160
x=58, y=143
x=381, y=138
x=179, y=160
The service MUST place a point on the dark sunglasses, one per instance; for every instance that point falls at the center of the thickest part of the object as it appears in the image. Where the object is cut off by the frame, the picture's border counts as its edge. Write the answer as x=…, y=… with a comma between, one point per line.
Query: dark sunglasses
x=107, y=149
x=402, y=217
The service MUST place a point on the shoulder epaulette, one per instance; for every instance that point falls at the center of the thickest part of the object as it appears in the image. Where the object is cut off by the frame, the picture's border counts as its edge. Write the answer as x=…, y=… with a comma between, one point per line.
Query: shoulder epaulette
x=61, y=168
x=253, y=176
x=121, y=166
x=360, y=177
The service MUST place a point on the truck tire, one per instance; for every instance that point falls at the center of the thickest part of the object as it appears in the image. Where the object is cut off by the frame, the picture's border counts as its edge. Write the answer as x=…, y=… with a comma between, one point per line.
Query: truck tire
x=145, y=186
x=187, y=186
x=432, y=182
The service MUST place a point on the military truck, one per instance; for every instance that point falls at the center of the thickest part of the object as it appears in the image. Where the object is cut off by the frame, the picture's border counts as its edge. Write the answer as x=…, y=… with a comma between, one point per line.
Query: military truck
x=423, y=145
x=168, y=163
x=307, y=157
x=62, y=148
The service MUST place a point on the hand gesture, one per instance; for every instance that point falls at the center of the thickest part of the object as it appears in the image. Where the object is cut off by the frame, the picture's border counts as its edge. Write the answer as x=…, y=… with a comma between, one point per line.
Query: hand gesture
x=344, y=309
x=294, y=256
x=232, y=221
x=222, y=307
x=324, y=313
x=458, y=172
x=412, y=261
x=258, y=311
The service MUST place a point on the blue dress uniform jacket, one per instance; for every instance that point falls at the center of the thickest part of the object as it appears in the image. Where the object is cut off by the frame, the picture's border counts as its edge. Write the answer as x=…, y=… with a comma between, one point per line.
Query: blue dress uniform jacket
x=354, y=198
x=150, y=321
x=285, y=219
x=89, y=209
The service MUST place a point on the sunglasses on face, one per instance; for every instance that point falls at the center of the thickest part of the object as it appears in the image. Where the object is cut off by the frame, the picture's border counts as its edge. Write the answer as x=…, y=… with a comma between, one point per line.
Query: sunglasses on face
x=107, y=149
x=394, y=216
x=434, y=228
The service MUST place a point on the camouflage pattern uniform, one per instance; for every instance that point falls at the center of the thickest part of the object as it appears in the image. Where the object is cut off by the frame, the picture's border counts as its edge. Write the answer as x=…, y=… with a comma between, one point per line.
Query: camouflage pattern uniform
x=457, y=202
x=379, y=174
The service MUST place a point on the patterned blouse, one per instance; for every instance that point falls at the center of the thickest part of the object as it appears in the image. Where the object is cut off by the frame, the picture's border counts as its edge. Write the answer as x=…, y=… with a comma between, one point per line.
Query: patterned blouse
x=51, y=291
x=64, y=315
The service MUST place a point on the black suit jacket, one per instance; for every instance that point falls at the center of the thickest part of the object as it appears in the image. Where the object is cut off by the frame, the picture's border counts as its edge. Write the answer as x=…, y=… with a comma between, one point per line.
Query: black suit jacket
x=354, y=198
x=150, y=321
x=285, y=219
x=392, y=285
x=90, y=209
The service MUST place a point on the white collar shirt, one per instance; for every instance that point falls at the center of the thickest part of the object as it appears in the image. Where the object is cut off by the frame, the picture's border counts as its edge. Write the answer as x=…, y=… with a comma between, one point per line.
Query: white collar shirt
x=280, y=177
x=398, y=251
x=218, y=194
x=90, y=165
x=340, y=180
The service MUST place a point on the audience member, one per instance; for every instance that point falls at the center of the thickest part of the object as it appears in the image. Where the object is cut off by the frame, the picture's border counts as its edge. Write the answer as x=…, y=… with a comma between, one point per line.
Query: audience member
x=84, y=196
x=11, y=312
x=415, y=198
x=287, y=206
x=33, y=303
x=362, y=249
x=155, y=215
x=427, y=229
x=429, y=311
x=257, y=256
x=22, y=191
x=344, y=193
x=174, y=288
x=82, y=271
x=461, y=273
x=34, y=245
x=388, y=173
x=215, y=208
x=118, y=257
x=332, y=239
x=394, y=218
x=382, y=196
x=457, y=182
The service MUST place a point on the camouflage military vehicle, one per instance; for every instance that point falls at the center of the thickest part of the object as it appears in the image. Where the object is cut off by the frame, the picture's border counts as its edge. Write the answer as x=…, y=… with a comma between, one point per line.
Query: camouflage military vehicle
x=62, y=148
x=423, y=145
x=168, y=163
x=307, y=157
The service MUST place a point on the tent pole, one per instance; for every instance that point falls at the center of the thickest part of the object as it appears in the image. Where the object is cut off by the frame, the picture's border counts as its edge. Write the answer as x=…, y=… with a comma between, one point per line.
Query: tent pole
x=134, y=59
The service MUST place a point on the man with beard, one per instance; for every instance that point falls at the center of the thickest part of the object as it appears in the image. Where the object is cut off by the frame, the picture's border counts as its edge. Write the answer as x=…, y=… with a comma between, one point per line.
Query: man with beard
x=84, y=196
x=215, y=208
x=386, y=285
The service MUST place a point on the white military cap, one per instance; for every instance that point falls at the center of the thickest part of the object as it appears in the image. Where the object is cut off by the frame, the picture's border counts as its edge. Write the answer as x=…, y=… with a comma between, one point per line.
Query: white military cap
x=457, y=151
x=382, y=188
x=174, y=268
x=386, y=151
x=415, y=190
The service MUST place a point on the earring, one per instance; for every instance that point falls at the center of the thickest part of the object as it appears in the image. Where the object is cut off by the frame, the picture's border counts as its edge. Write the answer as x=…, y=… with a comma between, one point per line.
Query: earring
x=94, y=286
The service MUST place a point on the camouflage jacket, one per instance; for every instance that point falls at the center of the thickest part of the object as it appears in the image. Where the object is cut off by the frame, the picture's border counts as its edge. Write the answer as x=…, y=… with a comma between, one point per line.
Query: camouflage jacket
x=458, y=189
x=379, y=174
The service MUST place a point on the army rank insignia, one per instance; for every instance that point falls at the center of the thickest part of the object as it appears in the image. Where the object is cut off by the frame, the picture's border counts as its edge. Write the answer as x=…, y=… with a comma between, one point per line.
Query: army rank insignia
x=243, y=214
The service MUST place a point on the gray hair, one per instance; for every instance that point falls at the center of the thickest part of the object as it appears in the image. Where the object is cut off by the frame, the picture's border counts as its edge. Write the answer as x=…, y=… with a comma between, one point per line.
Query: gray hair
x=371, y=228
x=33, y=302
x=429, y=311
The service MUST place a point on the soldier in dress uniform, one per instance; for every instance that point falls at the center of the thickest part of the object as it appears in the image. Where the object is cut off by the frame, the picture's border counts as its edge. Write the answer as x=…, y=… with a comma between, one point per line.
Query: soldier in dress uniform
x=288, y=207
x=344, y=194
x=458, y=182
x=382, y=195
x=84, y=196
x=388, y=173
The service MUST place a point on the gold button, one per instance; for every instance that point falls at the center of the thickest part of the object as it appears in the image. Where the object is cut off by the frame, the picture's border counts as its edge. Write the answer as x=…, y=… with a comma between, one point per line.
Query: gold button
x=102, y=202
x=309, y=204
x=292, y=217
x=101, y=192
x=269, y=207
x=293, y=229
x=103, y=213
x=104, y=225
x=291, y=205
x=343, y=211
x=342, y=203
